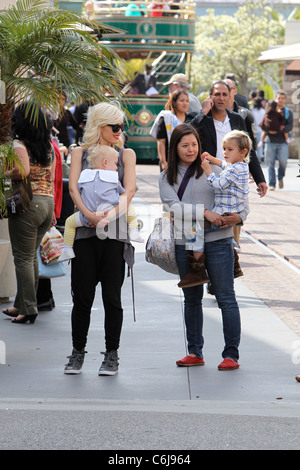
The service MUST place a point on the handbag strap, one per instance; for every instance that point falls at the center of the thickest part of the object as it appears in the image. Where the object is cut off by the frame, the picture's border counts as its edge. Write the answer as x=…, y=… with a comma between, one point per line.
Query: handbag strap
x=184, y=183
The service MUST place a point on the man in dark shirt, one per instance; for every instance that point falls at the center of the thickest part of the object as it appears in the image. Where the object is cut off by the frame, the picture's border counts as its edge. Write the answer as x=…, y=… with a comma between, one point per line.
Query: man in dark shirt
x=143, y=81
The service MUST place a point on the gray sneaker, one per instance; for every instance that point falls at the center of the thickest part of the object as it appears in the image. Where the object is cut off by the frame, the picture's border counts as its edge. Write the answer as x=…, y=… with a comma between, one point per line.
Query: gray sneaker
x=110, y=364
x=75, y=363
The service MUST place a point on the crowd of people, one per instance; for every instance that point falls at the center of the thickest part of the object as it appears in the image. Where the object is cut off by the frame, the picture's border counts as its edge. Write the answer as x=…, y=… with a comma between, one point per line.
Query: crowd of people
x=207, y=153
x=155, y=8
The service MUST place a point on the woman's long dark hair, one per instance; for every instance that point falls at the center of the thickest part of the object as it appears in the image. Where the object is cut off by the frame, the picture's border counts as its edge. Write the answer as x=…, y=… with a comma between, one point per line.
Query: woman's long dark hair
x=173, y=159
x=36, y=137
x=171, y=104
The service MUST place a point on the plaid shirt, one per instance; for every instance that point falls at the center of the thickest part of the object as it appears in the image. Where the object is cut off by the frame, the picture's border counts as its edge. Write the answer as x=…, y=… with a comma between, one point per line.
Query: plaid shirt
x=231, y=187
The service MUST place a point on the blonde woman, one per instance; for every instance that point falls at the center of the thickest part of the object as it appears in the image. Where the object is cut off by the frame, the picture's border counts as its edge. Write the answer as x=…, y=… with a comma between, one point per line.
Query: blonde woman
x=97, y=259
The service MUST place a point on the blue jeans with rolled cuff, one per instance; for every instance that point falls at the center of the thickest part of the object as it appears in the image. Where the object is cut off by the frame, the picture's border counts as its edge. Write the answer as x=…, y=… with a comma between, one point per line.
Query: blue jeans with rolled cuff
x=219, y=260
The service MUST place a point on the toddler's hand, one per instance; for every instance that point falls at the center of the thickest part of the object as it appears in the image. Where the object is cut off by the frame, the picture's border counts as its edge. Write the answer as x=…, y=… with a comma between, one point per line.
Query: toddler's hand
x=205, y=165
x=205, y=156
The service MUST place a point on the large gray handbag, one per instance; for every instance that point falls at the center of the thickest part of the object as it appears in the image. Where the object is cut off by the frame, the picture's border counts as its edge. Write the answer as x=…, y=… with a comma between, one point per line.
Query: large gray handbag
x=160, y=246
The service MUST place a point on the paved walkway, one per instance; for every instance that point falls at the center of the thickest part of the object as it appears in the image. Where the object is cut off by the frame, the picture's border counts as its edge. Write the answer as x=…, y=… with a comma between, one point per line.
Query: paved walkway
x=151, y=403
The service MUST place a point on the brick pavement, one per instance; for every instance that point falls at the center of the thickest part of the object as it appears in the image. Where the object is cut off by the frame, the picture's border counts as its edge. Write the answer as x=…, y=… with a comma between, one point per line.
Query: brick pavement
x=273, y=220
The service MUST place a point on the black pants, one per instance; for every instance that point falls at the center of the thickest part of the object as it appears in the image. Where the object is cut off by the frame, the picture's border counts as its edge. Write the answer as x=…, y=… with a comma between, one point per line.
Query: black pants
x=44, y=292
x=97, y=261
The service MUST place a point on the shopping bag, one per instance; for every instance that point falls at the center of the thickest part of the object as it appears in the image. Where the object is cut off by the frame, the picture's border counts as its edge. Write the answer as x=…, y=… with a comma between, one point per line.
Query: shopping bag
x=160, y=246
x=52, y=245
x=50, y=270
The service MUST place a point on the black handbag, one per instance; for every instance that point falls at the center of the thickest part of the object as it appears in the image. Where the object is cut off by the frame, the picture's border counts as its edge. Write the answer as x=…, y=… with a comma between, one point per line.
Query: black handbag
x=20, y=198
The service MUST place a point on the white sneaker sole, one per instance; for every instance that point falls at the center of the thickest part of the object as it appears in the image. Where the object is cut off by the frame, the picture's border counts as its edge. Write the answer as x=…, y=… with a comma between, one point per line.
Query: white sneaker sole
x=72, y=372
x=105, y=372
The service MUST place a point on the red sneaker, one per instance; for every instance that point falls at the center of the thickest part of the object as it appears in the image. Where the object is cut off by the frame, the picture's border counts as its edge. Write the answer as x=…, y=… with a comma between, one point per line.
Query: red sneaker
x=189, y=361
x=228, y=364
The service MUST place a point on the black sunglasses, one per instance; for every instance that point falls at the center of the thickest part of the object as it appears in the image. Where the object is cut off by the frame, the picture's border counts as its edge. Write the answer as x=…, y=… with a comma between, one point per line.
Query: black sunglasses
x=116, y=127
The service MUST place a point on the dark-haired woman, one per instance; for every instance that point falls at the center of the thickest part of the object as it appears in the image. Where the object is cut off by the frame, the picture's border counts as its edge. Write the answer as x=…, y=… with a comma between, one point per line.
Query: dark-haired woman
x=33, y=147
x=194, y=206
x=175, y=113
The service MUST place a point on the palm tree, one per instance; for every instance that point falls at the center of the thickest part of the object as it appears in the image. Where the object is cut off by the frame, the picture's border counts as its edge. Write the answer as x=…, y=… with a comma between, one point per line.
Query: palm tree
x=44, y=51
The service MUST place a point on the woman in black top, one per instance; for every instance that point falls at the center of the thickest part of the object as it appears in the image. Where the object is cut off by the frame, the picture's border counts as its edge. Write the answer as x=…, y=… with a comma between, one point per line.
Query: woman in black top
x=99, y=259
x=176, y=112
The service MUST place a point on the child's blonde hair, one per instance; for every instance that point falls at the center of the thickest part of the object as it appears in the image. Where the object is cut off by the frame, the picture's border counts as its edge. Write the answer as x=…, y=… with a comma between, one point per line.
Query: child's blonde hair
x=242, y=141
x=98, y=152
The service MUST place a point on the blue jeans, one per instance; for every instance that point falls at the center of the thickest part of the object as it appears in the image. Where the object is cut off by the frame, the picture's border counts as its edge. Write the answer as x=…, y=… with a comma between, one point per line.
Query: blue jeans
x=222, y=280
x=196, y=244
x=275, y=152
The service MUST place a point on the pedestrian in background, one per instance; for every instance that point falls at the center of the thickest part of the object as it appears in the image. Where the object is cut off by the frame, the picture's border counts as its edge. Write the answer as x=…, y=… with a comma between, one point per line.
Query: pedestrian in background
x=175, y=113
x=179, y=81
x=33, y=147
x=258, y=112
x=276, y=145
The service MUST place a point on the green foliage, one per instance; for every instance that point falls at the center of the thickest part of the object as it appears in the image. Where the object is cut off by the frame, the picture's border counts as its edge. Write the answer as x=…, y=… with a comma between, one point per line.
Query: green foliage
x=44, y=50
x=232, y=44
x=295, y=14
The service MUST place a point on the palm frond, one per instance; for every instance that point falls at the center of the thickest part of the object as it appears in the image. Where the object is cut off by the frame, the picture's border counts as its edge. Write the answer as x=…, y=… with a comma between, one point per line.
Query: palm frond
x=44, y=50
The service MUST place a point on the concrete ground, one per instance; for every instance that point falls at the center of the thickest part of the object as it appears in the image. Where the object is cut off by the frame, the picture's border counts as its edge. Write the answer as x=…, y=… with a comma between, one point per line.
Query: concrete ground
x=151, y=403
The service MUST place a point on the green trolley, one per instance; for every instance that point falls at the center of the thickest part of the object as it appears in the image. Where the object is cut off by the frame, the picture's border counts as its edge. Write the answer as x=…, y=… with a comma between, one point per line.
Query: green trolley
x=166, y=41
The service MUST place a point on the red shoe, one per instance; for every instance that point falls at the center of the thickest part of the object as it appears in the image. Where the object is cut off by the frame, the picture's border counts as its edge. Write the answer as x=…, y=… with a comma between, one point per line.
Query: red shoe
x=189, y=361
x=228, y=364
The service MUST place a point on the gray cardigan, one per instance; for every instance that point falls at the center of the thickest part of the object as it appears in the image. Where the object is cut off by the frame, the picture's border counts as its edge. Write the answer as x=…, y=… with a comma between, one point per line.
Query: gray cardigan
x=197, y=197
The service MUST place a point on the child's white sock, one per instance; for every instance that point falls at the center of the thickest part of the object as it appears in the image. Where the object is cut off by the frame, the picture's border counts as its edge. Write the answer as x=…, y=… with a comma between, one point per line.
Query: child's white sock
x=135, y=235
x=68, y=253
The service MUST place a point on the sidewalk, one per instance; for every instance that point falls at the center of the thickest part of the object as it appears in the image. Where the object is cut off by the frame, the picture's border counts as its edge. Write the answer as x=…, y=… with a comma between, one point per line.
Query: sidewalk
x=151, y=403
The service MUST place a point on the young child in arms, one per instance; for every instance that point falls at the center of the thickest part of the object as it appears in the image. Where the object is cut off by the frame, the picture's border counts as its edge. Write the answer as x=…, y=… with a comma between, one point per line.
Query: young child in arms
x=100, y=190
x=231, y=196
